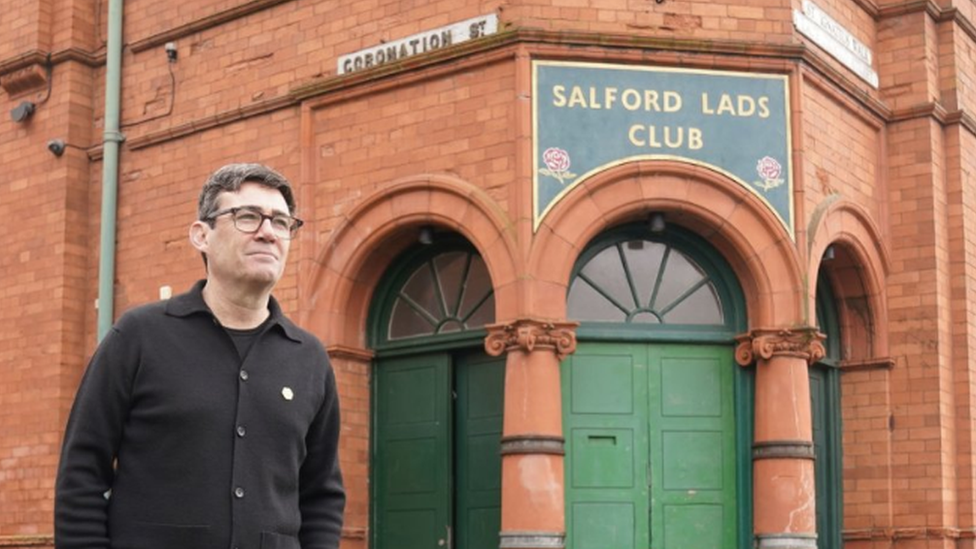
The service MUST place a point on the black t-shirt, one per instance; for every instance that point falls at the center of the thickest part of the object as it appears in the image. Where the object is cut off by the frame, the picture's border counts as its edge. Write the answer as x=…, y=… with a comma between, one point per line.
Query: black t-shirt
x=243, y=339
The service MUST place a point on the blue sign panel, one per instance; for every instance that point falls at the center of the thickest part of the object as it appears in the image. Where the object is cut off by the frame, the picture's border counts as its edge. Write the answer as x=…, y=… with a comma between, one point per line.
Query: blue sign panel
x=589, y=117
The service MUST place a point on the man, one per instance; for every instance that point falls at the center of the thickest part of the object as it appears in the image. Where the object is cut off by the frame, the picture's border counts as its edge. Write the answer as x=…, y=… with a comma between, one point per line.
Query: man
x=209, y=420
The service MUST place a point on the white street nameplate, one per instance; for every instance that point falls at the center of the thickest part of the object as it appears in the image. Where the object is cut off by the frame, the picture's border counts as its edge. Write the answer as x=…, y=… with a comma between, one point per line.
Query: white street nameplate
x=398, y=50
x=830, y=35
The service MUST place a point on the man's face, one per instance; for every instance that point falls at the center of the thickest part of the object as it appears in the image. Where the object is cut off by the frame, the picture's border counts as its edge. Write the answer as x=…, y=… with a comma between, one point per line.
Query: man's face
x=235, y=257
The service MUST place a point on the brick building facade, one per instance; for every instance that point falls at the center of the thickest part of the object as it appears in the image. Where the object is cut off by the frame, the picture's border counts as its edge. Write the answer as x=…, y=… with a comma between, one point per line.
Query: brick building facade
x=863, y=438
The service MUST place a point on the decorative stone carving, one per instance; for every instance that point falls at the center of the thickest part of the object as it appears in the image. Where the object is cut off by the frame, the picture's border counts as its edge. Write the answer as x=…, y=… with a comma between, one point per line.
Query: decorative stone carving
x=805, y=343
x=528, y=334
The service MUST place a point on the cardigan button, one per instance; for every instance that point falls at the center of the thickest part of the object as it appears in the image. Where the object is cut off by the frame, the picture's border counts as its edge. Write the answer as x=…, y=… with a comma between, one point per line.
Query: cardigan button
x=241, y=431
x=243, y=375
x=238, y=492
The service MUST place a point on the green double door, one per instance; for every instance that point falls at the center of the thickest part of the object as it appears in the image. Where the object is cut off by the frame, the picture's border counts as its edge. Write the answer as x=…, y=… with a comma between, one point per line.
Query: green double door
x=436, y=465
x=650, y=446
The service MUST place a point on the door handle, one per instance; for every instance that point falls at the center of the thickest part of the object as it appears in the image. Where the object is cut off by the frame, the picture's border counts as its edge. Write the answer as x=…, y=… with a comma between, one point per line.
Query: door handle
x=448, y=542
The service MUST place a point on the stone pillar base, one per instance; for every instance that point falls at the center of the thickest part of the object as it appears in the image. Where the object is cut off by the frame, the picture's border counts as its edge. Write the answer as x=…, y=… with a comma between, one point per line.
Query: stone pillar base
x=531, y=540
x=786, y=541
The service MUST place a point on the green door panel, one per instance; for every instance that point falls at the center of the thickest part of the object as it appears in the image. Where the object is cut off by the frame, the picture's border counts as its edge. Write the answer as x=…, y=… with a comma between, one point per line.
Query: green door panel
x=691, y=419
x=599, y=525
x=825, y=415
x=602, y=382
x=608, y=458
x=817, y=413
x=693, y=527
x=480, y=386
x=650, y=432
x=691, y=462
x=412, y=468
x=607, y=494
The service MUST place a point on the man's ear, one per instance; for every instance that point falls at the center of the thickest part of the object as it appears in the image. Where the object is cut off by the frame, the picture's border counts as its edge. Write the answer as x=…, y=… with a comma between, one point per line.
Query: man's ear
x=199, y=231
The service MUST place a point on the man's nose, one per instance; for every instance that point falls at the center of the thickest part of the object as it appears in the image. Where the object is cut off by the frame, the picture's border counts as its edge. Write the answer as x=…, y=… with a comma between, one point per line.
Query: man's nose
x=265, y=230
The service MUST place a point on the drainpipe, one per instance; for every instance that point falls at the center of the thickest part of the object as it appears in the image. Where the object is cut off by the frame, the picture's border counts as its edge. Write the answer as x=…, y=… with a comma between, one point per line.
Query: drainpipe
x=110, y=169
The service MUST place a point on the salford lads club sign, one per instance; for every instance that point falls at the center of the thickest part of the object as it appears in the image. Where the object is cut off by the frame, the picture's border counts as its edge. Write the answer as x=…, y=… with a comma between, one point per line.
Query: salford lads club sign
x=590, y=117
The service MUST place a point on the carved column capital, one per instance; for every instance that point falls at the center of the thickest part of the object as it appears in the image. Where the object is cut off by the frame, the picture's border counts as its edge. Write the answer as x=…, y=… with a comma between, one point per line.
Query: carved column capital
x=805, y=343
x=528, y=334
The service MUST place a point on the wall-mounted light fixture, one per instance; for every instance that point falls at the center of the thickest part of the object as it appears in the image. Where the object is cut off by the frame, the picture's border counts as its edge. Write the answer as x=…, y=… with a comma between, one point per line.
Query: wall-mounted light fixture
x=656, y=223
x=171, y=52
x=22, y=112
x=829, y=253
x=426, y=235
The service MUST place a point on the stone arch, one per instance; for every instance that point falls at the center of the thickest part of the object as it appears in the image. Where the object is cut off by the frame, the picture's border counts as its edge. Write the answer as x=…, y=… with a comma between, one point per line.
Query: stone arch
x=857, y=274
x=730, y=217
x=370, y=237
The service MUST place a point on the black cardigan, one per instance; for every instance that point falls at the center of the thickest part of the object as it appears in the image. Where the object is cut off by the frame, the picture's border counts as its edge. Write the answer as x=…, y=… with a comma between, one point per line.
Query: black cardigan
x=199, y=448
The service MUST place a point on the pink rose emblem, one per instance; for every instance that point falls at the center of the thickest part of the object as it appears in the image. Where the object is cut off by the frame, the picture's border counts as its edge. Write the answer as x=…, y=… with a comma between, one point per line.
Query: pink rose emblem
x=556, y=159
x=769, y=168
x=557, y=164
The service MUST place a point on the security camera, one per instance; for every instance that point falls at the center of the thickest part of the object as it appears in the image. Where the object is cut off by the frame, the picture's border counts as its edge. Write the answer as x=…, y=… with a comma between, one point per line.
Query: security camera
x=171, y=51
x=56, y=146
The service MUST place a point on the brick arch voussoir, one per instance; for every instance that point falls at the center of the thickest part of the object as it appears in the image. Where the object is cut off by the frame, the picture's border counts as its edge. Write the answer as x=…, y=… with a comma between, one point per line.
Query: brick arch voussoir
x=350, y=265
x=741, y=228
x=848, y=226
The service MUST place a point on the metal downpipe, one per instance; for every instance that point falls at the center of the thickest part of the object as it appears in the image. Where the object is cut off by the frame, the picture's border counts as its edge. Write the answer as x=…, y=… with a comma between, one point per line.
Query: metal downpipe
x=110, y=169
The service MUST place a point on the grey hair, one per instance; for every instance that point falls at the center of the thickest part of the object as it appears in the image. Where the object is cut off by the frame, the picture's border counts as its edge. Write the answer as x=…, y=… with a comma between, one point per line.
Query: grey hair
x=230, y=178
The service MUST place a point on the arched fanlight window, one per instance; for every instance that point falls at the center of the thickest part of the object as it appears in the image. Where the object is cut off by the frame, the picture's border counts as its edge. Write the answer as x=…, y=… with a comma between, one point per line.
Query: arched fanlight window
x=639, y=280
x=441, y=293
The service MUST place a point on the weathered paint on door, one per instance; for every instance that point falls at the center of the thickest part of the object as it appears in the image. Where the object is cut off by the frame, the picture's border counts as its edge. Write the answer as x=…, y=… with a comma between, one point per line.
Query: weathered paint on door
x=650, y=435
x=437, y=468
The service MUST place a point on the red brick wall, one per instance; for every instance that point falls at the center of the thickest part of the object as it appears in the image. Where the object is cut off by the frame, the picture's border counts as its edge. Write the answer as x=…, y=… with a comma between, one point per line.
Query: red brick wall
x=842, y=153
x=27, y=26
x=43, y=300
x=460, y=124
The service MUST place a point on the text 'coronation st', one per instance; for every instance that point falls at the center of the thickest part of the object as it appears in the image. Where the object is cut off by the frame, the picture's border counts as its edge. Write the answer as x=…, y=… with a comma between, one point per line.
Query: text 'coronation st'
x=653, y=135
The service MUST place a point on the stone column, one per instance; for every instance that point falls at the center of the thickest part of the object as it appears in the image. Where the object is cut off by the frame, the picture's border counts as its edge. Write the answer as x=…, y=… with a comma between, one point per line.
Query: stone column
x=533, y=512
x=784, y=490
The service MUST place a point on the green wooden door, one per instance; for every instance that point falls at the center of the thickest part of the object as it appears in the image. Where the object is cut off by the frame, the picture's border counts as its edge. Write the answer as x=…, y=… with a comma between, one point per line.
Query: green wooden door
x=650, y=432
x=818, y=418
x=825, y=415
x=607, y=489
x=436, y=466
x=825, y=412
x=412, y=438
x=480, y=386
x=691, y=418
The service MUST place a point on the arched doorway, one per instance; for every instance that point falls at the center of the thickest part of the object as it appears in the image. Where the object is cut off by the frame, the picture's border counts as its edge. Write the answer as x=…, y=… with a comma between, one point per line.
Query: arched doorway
x=437, y=403
x=657, y=415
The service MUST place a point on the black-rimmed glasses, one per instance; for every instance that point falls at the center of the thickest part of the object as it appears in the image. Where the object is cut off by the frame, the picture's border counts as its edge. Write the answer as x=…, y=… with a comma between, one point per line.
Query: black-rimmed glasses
x=249, y=220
